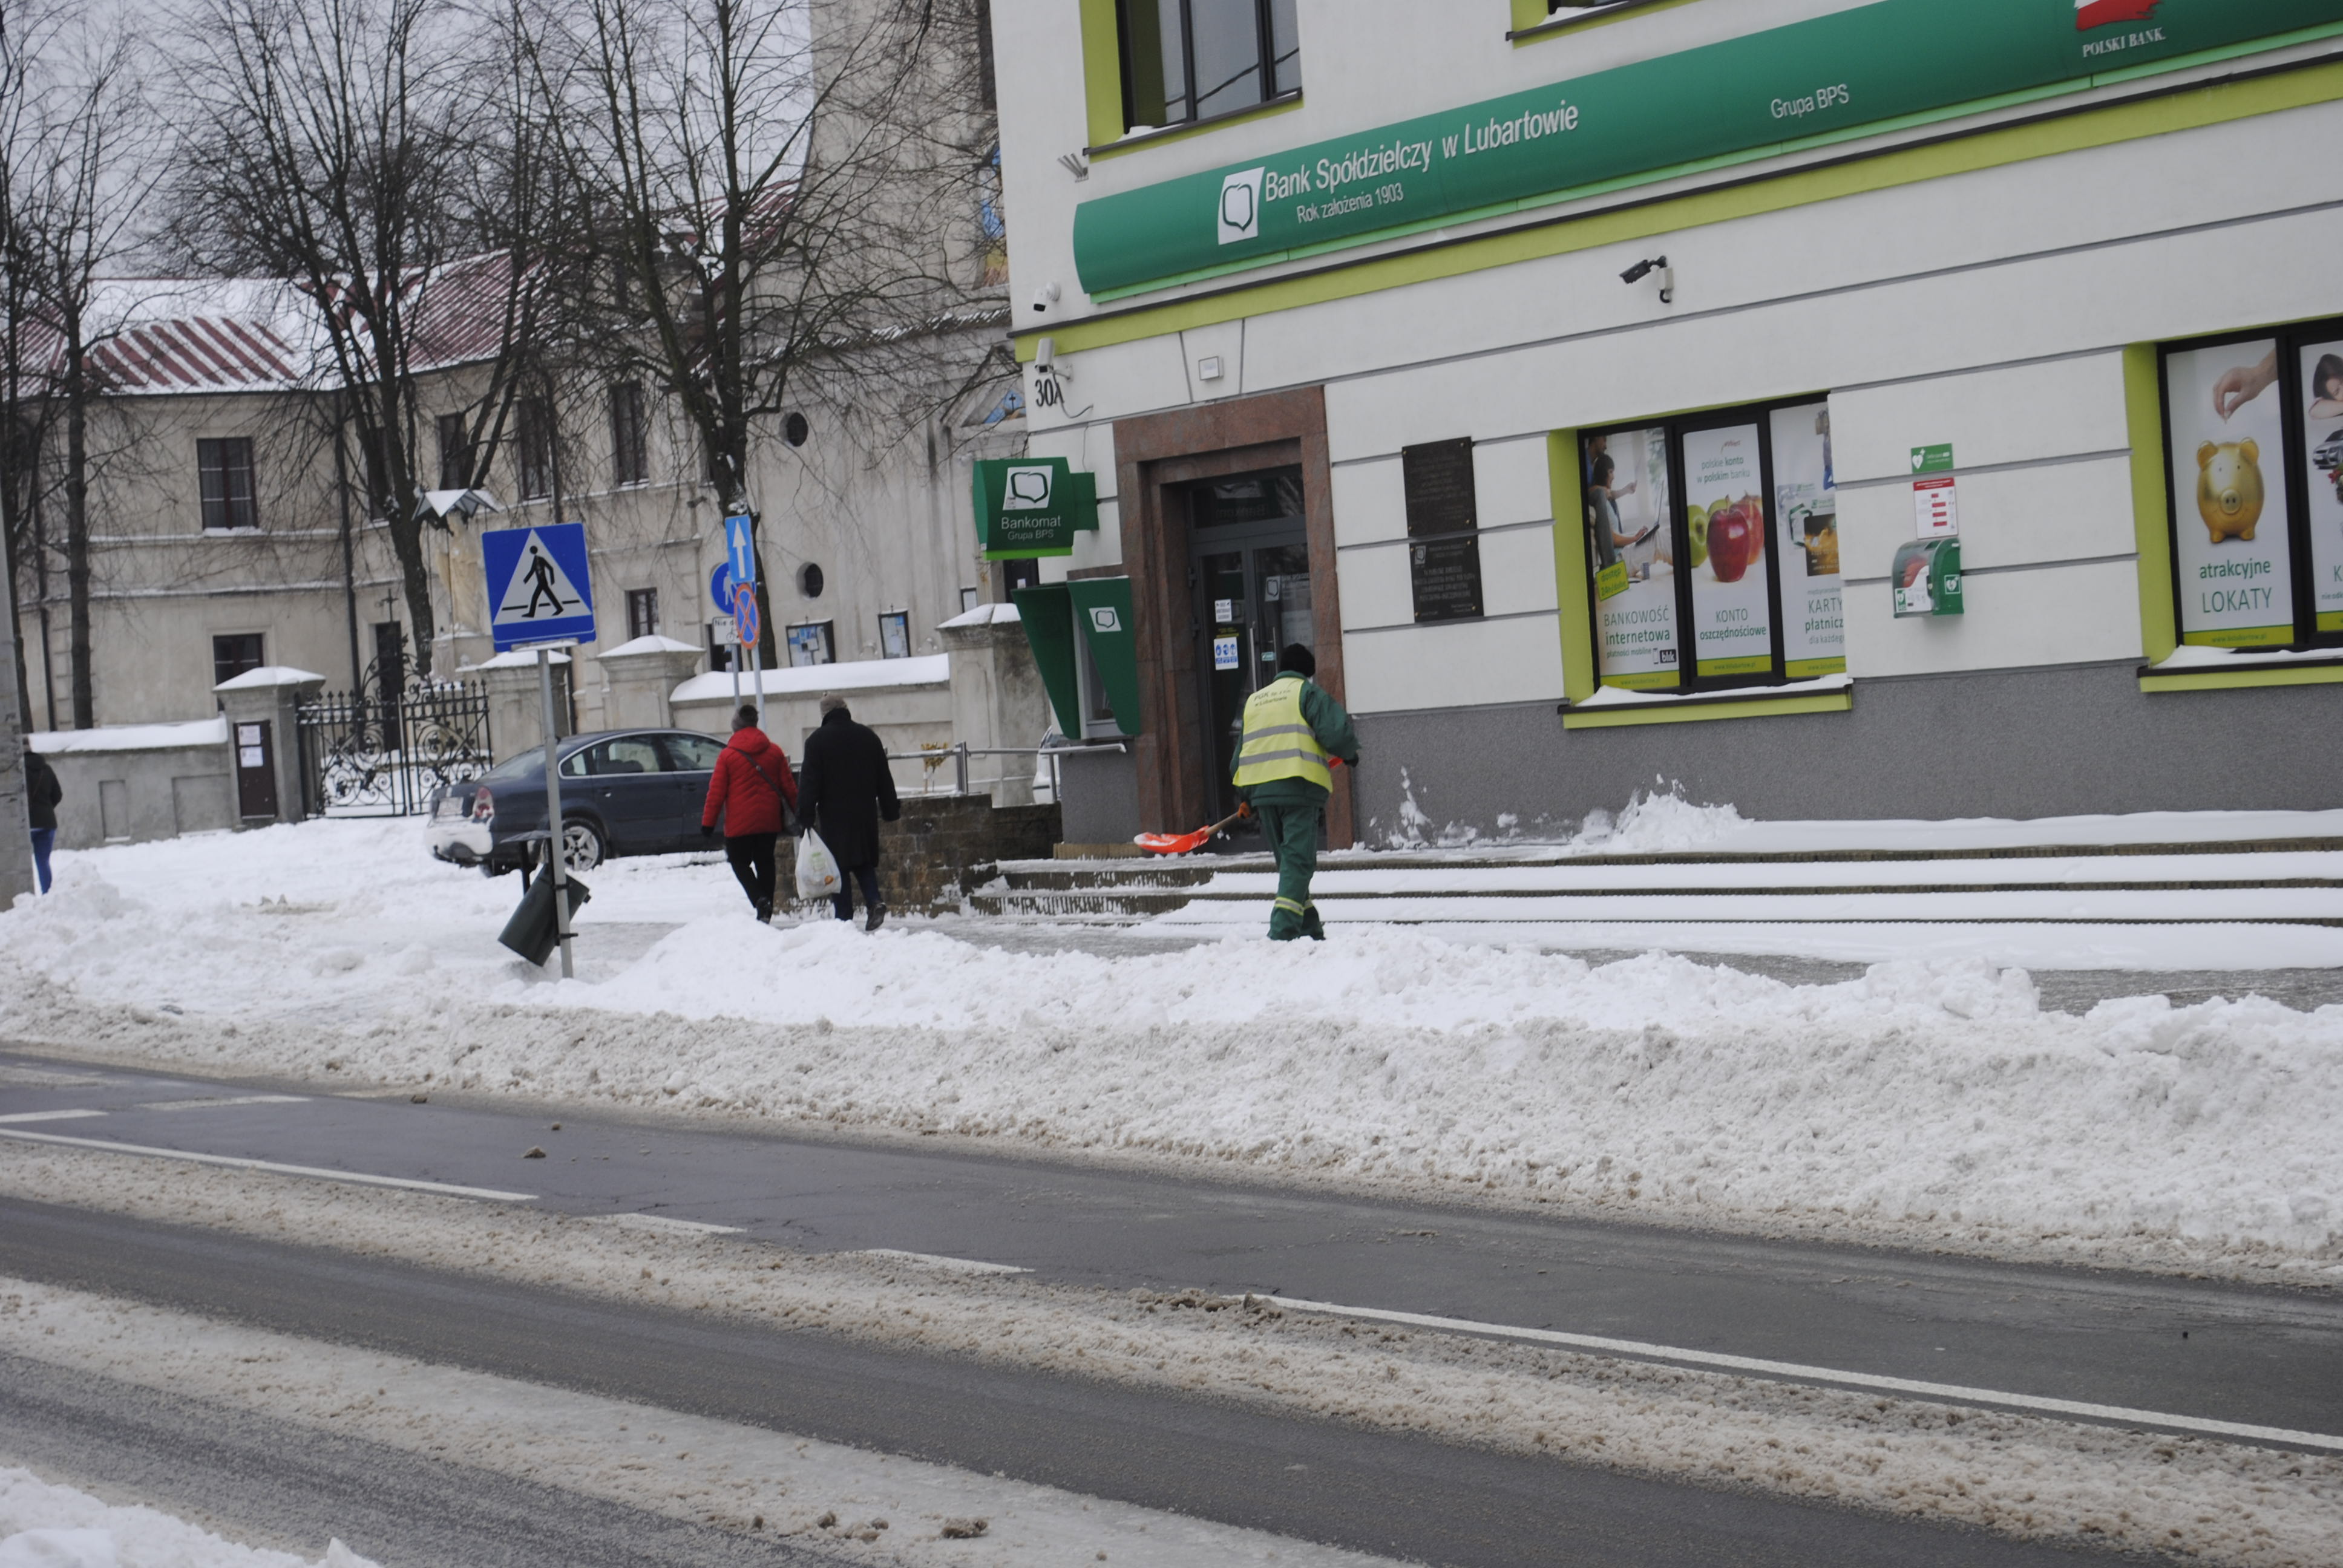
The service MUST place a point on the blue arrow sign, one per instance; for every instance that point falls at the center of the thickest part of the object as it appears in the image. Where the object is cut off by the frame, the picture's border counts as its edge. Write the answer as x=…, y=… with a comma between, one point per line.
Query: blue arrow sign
x=720, y=587
x=540, y=585
x=740, y=549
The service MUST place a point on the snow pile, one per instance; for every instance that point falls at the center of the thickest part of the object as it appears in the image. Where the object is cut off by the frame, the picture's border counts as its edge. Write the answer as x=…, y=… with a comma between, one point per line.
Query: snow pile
x=46, y=1526
x=1656, y=821
x=1928, y=1100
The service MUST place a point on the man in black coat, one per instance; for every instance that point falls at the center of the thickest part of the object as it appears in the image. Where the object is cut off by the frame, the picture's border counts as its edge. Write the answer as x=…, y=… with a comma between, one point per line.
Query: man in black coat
x=42, y=793
x=843, y=789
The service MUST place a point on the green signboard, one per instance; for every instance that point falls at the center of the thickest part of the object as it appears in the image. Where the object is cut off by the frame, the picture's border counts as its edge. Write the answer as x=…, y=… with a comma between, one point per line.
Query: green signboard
x=1029, y=506
x=1818, y=80
x=1933, y=459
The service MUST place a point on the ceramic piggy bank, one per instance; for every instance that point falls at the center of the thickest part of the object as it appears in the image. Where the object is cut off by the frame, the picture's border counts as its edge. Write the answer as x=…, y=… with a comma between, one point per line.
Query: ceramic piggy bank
x=2229, y=487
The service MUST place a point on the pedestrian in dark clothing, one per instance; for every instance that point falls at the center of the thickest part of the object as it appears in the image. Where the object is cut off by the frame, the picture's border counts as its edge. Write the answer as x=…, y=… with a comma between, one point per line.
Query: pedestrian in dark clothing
x=1293, y=734
x=42, y=793
x=847, y=789
x=752, y=790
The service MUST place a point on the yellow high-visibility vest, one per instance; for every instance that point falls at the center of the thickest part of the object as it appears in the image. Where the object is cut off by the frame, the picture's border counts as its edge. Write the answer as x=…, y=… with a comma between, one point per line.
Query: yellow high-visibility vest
x=1278, y=740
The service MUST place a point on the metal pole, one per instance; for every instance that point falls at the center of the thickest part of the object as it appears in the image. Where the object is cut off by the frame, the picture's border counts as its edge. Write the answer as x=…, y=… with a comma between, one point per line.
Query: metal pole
x=756, y=667
x=962, y=749
x=553, y=814
x=734, y=660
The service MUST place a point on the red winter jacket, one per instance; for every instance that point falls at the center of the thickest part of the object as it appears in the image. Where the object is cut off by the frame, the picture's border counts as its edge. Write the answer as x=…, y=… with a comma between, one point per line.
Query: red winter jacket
x=751, y=780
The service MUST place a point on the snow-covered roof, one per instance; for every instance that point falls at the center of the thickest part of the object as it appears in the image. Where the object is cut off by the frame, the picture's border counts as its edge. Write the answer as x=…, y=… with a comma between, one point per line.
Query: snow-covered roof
x=132, y=737
x=654, y=643
x=983, y=614
x=815, y=680
x=268, y=675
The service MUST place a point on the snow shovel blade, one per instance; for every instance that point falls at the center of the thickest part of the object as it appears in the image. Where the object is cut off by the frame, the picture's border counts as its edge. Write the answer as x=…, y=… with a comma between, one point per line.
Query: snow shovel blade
x=1172, y=843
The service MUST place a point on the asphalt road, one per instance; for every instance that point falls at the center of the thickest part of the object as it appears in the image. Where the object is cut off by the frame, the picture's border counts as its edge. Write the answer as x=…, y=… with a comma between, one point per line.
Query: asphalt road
x=1394, y=1495
x=2195, y=1350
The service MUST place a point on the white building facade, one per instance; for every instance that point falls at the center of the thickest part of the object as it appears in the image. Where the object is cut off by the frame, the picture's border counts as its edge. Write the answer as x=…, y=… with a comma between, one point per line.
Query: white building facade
x=1845, y=408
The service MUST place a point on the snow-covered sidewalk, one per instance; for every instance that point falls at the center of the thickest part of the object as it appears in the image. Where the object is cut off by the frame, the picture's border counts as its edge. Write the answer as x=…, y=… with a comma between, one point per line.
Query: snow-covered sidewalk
x=1929, y=1100
x=43, y=1525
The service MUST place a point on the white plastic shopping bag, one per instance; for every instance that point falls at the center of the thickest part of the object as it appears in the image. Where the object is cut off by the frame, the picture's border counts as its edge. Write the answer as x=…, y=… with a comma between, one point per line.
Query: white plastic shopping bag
x=817, y=868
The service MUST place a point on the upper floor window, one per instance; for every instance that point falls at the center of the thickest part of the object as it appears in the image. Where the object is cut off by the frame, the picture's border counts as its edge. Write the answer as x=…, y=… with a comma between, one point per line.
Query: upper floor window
x=224, y=469
x=1193, y=59
x=455, y=452
x=630, y=453
x=234, y=654
x=533, y=447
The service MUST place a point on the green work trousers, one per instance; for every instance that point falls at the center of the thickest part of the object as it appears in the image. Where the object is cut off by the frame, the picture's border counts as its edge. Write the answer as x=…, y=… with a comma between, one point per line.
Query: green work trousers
x=1292, y=835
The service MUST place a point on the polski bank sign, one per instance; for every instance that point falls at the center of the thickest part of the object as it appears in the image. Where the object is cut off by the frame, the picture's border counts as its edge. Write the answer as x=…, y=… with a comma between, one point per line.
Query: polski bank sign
x=1816, y=81
x=1032, y=506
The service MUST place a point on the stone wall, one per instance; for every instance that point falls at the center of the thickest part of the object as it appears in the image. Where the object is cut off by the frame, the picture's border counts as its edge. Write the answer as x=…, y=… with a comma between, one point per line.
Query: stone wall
x=944, y=846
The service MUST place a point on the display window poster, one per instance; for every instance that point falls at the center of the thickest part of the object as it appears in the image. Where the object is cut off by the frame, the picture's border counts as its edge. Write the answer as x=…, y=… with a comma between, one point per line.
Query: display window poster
x=2320, y=393
x=2232, y=536
x=1806, y=514
x=1631, y=553
x=1725, y=527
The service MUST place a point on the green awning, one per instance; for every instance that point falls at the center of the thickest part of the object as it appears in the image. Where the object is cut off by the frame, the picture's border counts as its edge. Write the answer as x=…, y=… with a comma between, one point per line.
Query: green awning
x=1102, y=612
x=1047, y=615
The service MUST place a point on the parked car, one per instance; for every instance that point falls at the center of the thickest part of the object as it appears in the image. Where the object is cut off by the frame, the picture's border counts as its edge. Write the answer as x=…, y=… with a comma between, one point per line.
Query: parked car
x=623, y=792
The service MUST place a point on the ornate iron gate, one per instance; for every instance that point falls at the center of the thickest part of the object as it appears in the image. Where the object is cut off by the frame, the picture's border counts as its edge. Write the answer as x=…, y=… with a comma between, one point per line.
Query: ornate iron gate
x=374, y=752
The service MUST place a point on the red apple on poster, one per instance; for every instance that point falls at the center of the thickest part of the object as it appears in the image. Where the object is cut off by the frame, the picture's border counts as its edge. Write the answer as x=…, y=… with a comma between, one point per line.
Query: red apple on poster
x=1735, y=534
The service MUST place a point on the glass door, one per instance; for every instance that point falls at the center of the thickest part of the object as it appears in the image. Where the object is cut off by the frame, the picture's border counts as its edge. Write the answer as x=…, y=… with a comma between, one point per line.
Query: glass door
x=1252, y=598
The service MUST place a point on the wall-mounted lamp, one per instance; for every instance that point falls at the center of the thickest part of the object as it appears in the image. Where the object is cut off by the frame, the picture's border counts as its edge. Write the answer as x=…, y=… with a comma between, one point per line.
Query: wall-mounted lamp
x=1650, y=265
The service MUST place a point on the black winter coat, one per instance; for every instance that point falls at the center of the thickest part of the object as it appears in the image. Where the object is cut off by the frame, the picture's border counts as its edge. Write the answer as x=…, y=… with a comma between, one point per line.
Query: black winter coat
x=844, y=788
x=42, y=790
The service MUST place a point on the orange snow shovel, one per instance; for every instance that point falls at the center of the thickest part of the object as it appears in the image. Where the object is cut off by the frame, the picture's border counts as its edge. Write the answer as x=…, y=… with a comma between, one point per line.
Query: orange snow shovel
x=1182, y=843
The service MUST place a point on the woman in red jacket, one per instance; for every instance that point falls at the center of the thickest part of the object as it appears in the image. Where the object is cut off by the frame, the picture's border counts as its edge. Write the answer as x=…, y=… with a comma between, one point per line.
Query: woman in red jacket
x=750, y=790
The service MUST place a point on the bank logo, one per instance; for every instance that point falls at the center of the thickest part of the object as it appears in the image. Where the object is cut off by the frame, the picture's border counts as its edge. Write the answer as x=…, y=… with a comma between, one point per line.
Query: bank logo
x=1027, y=490
x=1241, y=206
x=1105, y=618
x=2090, y=13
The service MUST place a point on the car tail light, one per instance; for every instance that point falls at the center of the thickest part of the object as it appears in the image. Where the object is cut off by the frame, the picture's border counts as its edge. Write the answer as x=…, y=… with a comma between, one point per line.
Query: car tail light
x=484, y=807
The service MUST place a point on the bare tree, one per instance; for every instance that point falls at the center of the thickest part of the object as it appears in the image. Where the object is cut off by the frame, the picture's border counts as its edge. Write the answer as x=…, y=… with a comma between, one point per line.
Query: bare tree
x=360, y=149
x=765, y=178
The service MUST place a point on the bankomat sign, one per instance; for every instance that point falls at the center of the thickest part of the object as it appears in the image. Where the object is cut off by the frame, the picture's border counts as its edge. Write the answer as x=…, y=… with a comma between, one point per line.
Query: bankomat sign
x=1032, y=506
x=1695, y=111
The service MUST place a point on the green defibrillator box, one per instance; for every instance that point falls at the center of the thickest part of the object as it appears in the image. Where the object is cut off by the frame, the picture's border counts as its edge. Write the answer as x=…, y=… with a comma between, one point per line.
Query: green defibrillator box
x=1926, y=578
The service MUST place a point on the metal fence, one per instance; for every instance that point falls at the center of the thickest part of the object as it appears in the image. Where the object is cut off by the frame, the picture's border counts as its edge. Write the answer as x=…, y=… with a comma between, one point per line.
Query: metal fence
x=377, y=753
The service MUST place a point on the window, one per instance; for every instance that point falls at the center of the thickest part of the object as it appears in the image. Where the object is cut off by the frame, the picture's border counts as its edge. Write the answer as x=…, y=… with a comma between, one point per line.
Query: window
x=796, y=428
x=225, y=469
x=642, y=612
x=811, y=643
x=2253, y=428
x=533, y=449
x=895, y=634
x=235, y=654
x=609, y=758
x=1193, y=59
x=1713, y=550
x=809, y=580
x=455, y=452
x=630, y=459
x=969, y=599
x=691, y=753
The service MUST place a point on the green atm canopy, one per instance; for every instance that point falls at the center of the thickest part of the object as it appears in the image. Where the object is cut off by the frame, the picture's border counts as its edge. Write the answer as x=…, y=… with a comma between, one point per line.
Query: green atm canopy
x=1102, y=614
x=1059, y=618
x=1032, y=506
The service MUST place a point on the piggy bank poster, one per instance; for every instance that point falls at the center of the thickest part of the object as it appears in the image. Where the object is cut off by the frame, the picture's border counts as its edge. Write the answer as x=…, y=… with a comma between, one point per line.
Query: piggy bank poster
x=1724, y=508
x=1806, y=507
x=2322, y=436
x=2231, y=556
x=1631, y=551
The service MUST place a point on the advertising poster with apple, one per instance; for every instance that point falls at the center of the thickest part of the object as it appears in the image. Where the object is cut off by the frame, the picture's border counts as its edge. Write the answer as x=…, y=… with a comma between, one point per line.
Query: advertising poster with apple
x=2322, y=435
x=1632, y=554
x=1806, y=504
x=2228, y=492
x=1725, y=513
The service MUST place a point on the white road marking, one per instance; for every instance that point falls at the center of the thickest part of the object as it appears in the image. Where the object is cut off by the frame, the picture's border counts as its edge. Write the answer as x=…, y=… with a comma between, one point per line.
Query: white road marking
x=225, y=1099
x=358, y=1177
x=935, y=1261
x=1794, y=1371
x=49, y=1115
x=664, y=1222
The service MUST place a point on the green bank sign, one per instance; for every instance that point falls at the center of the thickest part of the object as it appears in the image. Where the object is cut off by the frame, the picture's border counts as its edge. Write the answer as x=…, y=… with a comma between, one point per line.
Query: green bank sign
x=1746, y=98
x=1032, y=506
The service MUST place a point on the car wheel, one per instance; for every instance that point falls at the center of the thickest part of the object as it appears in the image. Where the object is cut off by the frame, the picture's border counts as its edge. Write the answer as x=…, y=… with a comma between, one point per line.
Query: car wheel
x=582, y=844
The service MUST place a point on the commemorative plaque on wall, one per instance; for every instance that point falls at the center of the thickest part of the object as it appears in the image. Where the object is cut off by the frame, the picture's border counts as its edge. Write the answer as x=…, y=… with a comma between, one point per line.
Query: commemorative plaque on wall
x=1442, y=519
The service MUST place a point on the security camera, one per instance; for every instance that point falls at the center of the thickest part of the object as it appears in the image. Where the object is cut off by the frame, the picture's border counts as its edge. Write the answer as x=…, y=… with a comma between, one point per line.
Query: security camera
x=1045, y=297
x=1045, y=354
x=1642, y=270
x=1645, y=269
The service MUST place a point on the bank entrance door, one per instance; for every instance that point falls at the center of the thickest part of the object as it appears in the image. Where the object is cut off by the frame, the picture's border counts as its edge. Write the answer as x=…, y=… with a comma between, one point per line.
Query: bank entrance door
x=1250, y=570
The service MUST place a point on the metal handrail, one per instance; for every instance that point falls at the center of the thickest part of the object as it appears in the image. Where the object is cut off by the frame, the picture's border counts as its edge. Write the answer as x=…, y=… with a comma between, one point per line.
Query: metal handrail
x=960, y=755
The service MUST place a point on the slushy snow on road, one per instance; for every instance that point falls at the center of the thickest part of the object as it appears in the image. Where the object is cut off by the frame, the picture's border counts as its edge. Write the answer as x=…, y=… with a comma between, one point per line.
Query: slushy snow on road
x=1934, y=1102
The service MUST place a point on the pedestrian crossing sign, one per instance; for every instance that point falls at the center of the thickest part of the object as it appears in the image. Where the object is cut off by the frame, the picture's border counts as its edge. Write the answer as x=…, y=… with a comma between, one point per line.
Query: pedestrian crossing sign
x=540, y=587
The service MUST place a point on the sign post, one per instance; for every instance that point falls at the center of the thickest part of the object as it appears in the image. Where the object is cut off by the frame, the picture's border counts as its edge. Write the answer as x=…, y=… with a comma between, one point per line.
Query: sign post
x=544, y=596
x=740, y=581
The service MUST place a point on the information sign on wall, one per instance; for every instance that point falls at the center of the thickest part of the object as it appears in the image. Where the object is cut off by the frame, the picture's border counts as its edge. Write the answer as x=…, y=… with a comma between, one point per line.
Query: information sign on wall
x=1442, y=516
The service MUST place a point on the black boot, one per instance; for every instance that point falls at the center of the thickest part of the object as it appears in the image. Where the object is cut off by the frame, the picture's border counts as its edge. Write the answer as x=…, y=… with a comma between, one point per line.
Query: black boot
x=764, y=912
x=874, y=917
